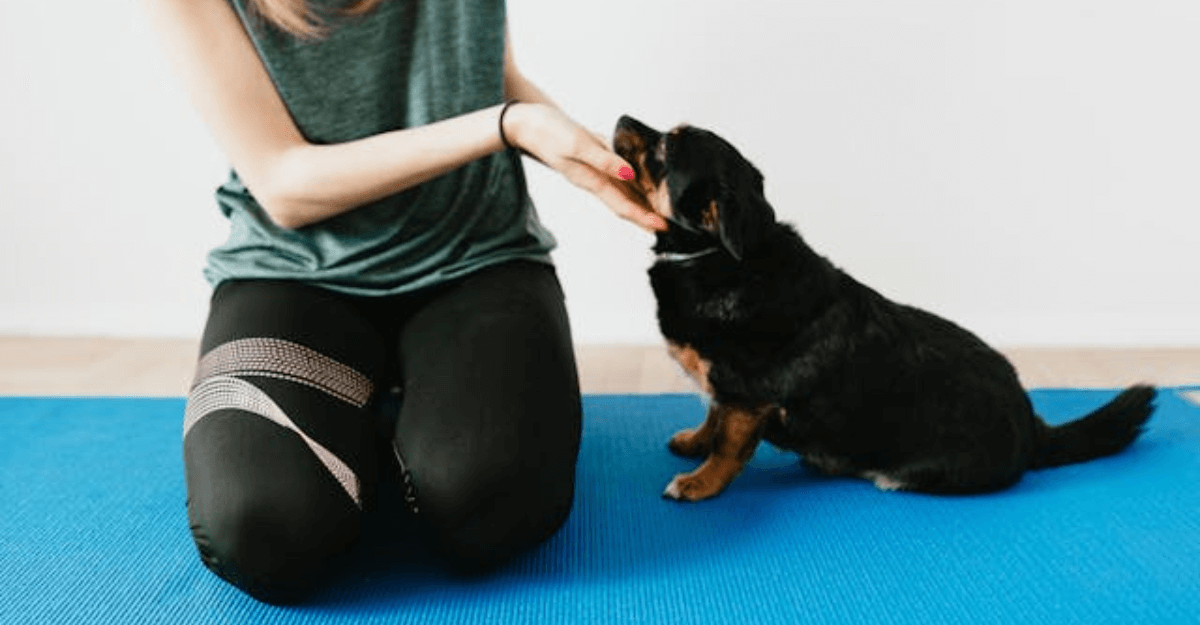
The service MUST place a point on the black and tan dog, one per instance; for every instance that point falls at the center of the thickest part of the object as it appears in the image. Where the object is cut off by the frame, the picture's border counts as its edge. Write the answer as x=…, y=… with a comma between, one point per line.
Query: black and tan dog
x=792, y=350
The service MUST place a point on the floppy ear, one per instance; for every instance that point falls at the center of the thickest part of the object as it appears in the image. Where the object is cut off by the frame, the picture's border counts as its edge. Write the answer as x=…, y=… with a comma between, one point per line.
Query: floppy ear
x=741, y=212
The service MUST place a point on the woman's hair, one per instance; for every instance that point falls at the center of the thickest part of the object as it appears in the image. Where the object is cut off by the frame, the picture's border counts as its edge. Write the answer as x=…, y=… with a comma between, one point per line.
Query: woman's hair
x=300, y=19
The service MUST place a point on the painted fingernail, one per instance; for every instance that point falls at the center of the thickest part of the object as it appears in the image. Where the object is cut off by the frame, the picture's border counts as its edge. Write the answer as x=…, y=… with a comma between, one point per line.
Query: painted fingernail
x=625, y=173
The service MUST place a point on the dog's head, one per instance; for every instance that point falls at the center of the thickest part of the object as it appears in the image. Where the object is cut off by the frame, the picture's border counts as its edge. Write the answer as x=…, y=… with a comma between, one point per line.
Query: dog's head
x=698, y=182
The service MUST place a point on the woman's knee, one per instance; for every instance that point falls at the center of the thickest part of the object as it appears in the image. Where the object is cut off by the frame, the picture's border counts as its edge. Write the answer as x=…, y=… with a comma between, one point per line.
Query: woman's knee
x=275, y=551
x=265, y=513
x=486, y=510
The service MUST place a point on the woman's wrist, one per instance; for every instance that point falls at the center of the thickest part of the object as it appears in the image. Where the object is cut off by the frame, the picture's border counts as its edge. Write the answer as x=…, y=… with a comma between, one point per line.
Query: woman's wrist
x=504, y=136
x=515, y=124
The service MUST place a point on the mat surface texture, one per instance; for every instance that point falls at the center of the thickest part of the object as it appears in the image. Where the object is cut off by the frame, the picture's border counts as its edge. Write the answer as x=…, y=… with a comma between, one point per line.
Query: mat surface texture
x=93, y=529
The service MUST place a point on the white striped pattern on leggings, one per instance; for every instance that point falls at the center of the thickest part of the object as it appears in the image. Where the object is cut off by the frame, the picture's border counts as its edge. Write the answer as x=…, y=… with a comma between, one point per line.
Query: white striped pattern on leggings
x=217, y=387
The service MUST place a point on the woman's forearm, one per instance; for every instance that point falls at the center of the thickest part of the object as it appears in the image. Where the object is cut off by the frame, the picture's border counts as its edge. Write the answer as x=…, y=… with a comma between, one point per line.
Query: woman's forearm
x=310, y=183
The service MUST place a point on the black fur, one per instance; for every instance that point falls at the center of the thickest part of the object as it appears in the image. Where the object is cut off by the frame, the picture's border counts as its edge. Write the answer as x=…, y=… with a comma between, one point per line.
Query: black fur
x=870, y=387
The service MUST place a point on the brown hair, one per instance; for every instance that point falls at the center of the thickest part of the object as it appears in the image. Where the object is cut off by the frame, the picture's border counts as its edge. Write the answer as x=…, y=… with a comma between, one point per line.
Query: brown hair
x=300, y=19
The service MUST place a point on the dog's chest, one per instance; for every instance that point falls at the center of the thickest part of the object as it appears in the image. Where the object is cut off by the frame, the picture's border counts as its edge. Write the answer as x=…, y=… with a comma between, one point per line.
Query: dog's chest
x=696, y=366
x=722, y=306
x=692, y=304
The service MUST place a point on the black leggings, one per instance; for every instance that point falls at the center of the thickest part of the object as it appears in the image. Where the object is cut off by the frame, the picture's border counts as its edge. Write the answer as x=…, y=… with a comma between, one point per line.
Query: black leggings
x=286, y=445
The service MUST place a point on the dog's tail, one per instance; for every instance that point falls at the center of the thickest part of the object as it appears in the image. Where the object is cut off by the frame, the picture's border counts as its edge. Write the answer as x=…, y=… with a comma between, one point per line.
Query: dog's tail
x=1105, y=431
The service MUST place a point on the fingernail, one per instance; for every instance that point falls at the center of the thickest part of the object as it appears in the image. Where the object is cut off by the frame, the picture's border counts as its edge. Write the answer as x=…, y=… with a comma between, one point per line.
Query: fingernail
x=625, y=173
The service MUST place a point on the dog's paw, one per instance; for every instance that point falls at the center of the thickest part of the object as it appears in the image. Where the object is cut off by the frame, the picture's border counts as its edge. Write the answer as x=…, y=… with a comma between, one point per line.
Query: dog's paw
x=691, y=487
x=689, y=444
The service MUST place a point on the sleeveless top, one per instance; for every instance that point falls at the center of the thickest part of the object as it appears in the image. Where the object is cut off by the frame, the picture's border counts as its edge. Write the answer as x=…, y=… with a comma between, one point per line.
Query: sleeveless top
x=405, y=64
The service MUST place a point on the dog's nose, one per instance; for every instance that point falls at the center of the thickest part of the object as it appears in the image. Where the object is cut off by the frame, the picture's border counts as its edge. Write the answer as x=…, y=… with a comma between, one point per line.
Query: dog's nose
x=629, y=124
x=626, y=123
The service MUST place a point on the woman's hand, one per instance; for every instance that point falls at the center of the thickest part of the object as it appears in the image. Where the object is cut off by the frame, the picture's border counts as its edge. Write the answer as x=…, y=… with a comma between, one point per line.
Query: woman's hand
x=563, y=145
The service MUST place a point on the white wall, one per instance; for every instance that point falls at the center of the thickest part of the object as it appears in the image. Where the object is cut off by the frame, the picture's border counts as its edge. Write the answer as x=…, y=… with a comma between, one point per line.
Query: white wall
x=1030, y=168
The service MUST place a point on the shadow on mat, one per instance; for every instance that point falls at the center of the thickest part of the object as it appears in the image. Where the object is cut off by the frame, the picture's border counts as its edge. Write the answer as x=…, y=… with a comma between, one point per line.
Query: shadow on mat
x=619, y=526
x=619, y=529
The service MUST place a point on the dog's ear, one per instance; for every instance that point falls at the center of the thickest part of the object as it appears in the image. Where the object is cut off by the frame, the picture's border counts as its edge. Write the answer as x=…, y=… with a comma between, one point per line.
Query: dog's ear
x=740, y=213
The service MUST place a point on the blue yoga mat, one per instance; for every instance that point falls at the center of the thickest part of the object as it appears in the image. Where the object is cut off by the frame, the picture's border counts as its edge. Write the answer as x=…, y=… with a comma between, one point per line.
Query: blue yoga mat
x=93, y=530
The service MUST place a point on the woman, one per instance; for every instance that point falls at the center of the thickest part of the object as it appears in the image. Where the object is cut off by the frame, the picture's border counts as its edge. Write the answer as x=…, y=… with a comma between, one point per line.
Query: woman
x=380, y=238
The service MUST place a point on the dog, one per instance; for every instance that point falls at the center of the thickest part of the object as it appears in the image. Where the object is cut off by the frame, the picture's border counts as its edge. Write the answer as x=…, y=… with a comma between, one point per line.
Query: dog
x=792, y=350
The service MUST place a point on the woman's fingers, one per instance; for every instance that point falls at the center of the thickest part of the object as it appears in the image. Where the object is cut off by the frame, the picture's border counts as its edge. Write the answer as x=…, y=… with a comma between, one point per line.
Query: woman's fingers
x=621, y=198
x=596, y=155
x=618, y=197
x=643, y=214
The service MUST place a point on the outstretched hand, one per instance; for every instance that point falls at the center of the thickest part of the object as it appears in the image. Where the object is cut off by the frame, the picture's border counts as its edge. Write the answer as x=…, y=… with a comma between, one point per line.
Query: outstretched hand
x=582, y=158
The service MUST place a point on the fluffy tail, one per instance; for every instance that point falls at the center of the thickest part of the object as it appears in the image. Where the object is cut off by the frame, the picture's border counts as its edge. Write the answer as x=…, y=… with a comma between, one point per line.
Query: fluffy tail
x=1104, y=431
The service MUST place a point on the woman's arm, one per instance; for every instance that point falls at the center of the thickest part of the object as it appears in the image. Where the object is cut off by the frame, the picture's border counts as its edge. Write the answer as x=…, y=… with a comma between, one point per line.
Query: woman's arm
x=298, y=183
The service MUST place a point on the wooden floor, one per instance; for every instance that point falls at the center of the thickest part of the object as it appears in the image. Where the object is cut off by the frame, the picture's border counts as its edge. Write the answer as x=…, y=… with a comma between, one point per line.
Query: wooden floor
x=157, y=367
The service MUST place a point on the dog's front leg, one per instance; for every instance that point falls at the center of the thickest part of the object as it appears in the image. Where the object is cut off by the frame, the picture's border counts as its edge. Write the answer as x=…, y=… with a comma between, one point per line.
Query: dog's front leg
x=738, y=431
x=697, y=442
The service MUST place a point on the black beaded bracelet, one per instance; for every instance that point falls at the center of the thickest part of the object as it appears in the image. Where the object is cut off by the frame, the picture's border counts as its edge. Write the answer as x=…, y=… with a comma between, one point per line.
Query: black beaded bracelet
x=503, y=137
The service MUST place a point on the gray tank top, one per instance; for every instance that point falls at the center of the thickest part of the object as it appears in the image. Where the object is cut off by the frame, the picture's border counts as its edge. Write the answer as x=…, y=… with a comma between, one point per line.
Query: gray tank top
x=408, y=63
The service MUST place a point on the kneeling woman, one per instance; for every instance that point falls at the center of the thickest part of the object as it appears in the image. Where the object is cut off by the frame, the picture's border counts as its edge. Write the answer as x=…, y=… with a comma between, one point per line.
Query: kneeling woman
x=380, y=237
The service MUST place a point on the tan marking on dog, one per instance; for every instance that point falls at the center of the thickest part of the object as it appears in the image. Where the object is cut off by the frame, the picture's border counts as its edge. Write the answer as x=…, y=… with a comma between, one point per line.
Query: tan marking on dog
x=697, y=442
x=693, y=363
x=738, y=432
x=659, y=199
x=626, y=142
x=711, y=219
